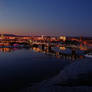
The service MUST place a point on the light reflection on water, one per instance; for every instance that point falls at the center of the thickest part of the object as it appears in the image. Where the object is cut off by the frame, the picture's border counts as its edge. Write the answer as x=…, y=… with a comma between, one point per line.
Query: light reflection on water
x=19, y=67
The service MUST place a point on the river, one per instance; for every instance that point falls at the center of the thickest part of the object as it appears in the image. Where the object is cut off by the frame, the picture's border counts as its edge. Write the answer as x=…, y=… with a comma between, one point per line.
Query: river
x=21, y=68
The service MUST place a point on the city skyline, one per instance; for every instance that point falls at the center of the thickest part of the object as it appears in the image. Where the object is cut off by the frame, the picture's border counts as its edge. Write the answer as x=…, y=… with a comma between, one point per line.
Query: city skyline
x=48, y=17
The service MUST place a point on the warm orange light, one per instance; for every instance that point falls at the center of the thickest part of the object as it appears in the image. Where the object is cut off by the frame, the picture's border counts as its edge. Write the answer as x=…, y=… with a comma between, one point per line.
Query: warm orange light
x=62, y=48
x=83, y=48
x=62, y=38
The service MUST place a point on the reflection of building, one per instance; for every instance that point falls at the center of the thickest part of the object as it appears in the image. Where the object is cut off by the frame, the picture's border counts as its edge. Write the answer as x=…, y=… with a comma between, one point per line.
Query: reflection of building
x=37, y=49
x=62, y=48
x=5, y=49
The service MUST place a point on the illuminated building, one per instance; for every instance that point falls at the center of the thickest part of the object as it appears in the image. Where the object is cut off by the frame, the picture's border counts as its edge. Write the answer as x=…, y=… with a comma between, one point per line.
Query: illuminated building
x=2, y=36
x=63, y=38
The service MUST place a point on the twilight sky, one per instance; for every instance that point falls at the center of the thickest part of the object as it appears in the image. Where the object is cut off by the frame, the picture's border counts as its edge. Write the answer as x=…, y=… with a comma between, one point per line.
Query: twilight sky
x=48, y=17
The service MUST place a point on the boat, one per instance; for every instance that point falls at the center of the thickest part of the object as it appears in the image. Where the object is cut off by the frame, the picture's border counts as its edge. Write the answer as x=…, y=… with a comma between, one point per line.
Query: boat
x=88, y=55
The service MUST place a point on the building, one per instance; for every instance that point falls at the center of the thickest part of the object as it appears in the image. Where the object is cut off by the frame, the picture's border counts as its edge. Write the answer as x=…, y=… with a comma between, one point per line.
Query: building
x=63, y=38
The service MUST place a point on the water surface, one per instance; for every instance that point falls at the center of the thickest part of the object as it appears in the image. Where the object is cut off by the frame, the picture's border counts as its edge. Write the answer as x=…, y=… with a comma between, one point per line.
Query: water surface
x=23, y=67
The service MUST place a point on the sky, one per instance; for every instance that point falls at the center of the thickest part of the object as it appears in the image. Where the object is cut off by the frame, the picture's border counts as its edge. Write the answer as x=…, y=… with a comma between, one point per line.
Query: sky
x=46, y=17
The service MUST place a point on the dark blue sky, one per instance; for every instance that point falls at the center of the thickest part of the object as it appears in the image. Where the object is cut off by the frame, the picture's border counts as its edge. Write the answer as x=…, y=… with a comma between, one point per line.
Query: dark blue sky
x=48, y=17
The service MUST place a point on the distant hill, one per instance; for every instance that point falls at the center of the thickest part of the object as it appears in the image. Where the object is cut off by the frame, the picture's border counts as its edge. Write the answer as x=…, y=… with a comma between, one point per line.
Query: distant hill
x=13, y=35
x=8, y=35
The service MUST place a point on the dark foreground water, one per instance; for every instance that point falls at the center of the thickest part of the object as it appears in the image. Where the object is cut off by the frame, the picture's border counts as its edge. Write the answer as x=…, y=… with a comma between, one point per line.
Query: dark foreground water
x=24, y=67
